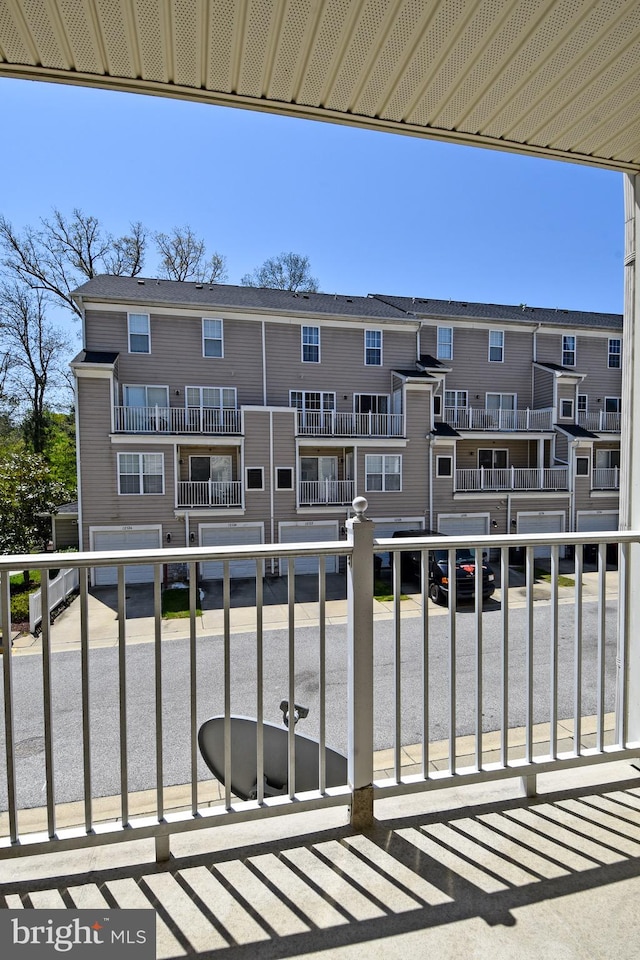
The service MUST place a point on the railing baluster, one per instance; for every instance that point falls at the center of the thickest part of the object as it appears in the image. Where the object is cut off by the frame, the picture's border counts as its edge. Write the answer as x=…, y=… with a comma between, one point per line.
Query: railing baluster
x=602, y=613
x=529, y=577
x=84, y=670
x=193, y=684
x=322, y=672
x=553, y=656
x=424, y=584
x=397, y=666
x=622, y=652
x=504, y=611
x=7, y=672
x=451, y=554
x=291, y=613
x=226, y=604
x=260, y=680
x=478, y=629
x=577, y=676
x=157, y=623
x=122, y=695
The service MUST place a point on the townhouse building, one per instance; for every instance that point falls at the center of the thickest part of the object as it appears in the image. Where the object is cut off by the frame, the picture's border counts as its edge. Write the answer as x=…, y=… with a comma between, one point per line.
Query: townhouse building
x=211, y=414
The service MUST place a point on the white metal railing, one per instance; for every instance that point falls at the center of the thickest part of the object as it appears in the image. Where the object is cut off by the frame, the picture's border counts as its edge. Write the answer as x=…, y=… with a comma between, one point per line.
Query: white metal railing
x=472, y=418
x=209, y=493
x=335, y=424
x=513, y=478
x=605, y=478
x=581, y=641
x=599, y=421
x=325, y=491
x=188, y=420
x=59, y=589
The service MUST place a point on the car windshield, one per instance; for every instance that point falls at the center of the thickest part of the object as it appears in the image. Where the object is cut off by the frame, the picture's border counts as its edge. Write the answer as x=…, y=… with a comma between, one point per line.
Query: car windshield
x=464, y=555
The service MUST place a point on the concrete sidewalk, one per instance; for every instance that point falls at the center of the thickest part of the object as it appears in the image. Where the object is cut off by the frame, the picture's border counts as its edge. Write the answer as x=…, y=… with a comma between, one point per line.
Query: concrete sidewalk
x=140, y=625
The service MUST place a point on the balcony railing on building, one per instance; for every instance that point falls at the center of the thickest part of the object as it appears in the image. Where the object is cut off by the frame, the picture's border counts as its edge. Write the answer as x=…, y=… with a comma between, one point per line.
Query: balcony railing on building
x=605, y=478
x=472, y=418
x=512, y=478
x=318, y=492
x=206, y=420
x=209, y=493
x=599, y=421
x=331, y=423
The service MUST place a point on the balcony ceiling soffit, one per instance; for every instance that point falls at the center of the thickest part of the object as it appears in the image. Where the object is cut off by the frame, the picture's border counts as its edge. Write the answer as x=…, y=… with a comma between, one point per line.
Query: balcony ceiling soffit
x=558, y=78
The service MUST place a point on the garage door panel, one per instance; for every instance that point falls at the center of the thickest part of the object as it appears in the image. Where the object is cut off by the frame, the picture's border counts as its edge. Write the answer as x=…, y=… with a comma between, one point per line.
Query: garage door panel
x=111, y=540
x=451, y=526
x=594, y=522
x=229, y=537
x=541, y=523
x=294, y=533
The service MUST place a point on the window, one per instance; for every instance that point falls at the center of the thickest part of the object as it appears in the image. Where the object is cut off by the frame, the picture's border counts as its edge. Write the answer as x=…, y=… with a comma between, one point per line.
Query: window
x=141, y=395
x=212, y=338
x=140, y=473
x=445, y=344
x=607, y=459
x=566, y=408
x=437, y=406
x=383, y=472
x=496, y=346
x=217, y=398
x=492, y=459
x=373, y=348
x=139, y=333
x=582, y=466
x=612, y=405
x=255, y=478
x=583, y=402
x=284, y=478
x=455, y=398
x=218, y=468
x=311, y=344
x=444, y=466
x=501, y=401
x=371, y=403
x=568, y=351
x=615, y=352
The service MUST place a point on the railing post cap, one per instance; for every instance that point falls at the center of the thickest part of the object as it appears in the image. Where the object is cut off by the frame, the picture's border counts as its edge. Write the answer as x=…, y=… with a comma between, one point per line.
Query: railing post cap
x=360, y=505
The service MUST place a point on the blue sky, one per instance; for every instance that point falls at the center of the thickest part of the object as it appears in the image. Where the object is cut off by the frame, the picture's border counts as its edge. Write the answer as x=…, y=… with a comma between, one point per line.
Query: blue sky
x=374, y=212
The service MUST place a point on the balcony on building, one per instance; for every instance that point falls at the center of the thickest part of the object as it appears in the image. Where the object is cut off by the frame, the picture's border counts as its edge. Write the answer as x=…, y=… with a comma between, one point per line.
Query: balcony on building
x=498, y=418
x=325, y=478
x=512, y=478
x=209, y=480
x=203, y=410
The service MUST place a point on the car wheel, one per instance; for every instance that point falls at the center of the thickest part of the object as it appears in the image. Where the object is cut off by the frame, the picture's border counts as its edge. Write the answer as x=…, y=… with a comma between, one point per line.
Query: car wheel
x=435, y=593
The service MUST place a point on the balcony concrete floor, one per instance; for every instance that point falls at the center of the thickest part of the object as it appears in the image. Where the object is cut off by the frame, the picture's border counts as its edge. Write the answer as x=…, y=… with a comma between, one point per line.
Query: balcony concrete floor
x=466, y=872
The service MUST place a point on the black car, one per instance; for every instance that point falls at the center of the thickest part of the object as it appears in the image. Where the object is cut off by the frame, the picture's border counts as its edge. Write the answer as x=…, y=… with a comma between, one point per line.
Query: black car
x=411, y=561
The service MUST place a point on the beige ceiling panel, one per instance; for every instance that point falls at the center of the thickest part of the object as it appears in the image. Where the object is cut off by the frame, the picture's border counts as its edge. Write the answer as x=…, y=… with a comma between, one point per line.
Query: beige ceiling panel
x=330, y=39
x=368, y=32
x=615, y=147
x=47, y=35
x=259, y=29
x=606, y=121
x=290, y=56
x=187, y=31
x=222, y=32
x=154, y=40
x=15, y=45
x=117, y=43
x=83, y=41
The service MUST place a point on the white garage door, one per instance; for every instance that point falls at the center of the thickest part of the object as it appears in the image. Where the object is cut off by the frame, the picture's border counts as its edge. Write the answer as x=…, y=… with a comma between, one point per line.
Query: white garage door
x=593, y=522
x=223, y=535
x=310, y=533
x=142, y=539
x=450, y=525
x=541, y=523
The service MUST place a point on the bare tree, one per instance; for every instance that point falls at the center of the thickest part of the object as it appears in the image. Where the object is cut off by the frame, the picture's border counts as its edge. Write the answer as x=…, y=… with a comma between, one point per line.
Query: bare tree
x=183, y=256
x=31, y=356
x=287, y=271
x=63, y=252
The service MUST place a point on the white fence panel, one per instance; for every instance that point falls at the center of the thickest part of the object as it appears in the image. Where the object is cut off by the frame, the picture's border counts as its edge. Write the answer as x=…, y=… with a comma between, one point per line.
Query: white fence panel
x=59, y=589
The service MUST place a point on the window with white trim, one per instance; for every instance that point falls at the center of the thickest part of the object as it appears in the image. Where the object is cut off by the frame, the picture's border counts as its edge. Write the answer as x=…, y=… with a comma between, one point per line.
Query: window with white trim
x=612, y=404
x=140, y=473
x=492, y=459
x=501, y=401
x=566, y=408
x=139, y=333
x=371, y=402
x=284, y=478
x=568, y=351
x=607, y=459
x=217, y=398
x=444, y=466
x=582, y=466
x=254, y=478
x=311, y=344
x=455, y=398
x=212, y=337
x=218, y=469
x=444, y=349
x=615, y=352
x=383, y=472
x=373, y=348
x=496, y=346
x=583, y=402
x=144, y=395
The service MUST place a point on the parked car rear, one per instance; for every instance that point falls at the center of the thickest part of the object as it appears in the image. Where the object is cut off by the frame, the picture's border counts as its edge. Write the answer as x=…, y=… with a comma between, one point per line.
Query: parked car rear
x=465, y=568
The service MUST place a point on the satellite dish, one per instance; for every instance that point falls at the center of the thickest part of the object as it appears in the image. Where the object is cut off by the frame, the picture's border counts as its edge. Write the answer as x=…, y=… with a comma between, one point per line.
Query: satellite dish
x=244, y=761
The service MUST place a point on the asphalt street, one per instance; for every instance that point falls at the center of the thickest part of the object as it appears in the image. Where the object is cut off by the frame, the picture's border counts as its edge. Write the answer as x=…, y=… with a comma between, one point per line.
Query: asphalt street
x=175, y=674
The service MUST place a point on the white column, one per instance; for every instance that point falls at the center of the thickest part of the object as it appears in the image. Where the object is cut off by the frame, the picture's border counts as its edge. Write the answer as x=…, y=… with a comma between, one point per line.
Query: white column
x=630, y=459
x=360, y=664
